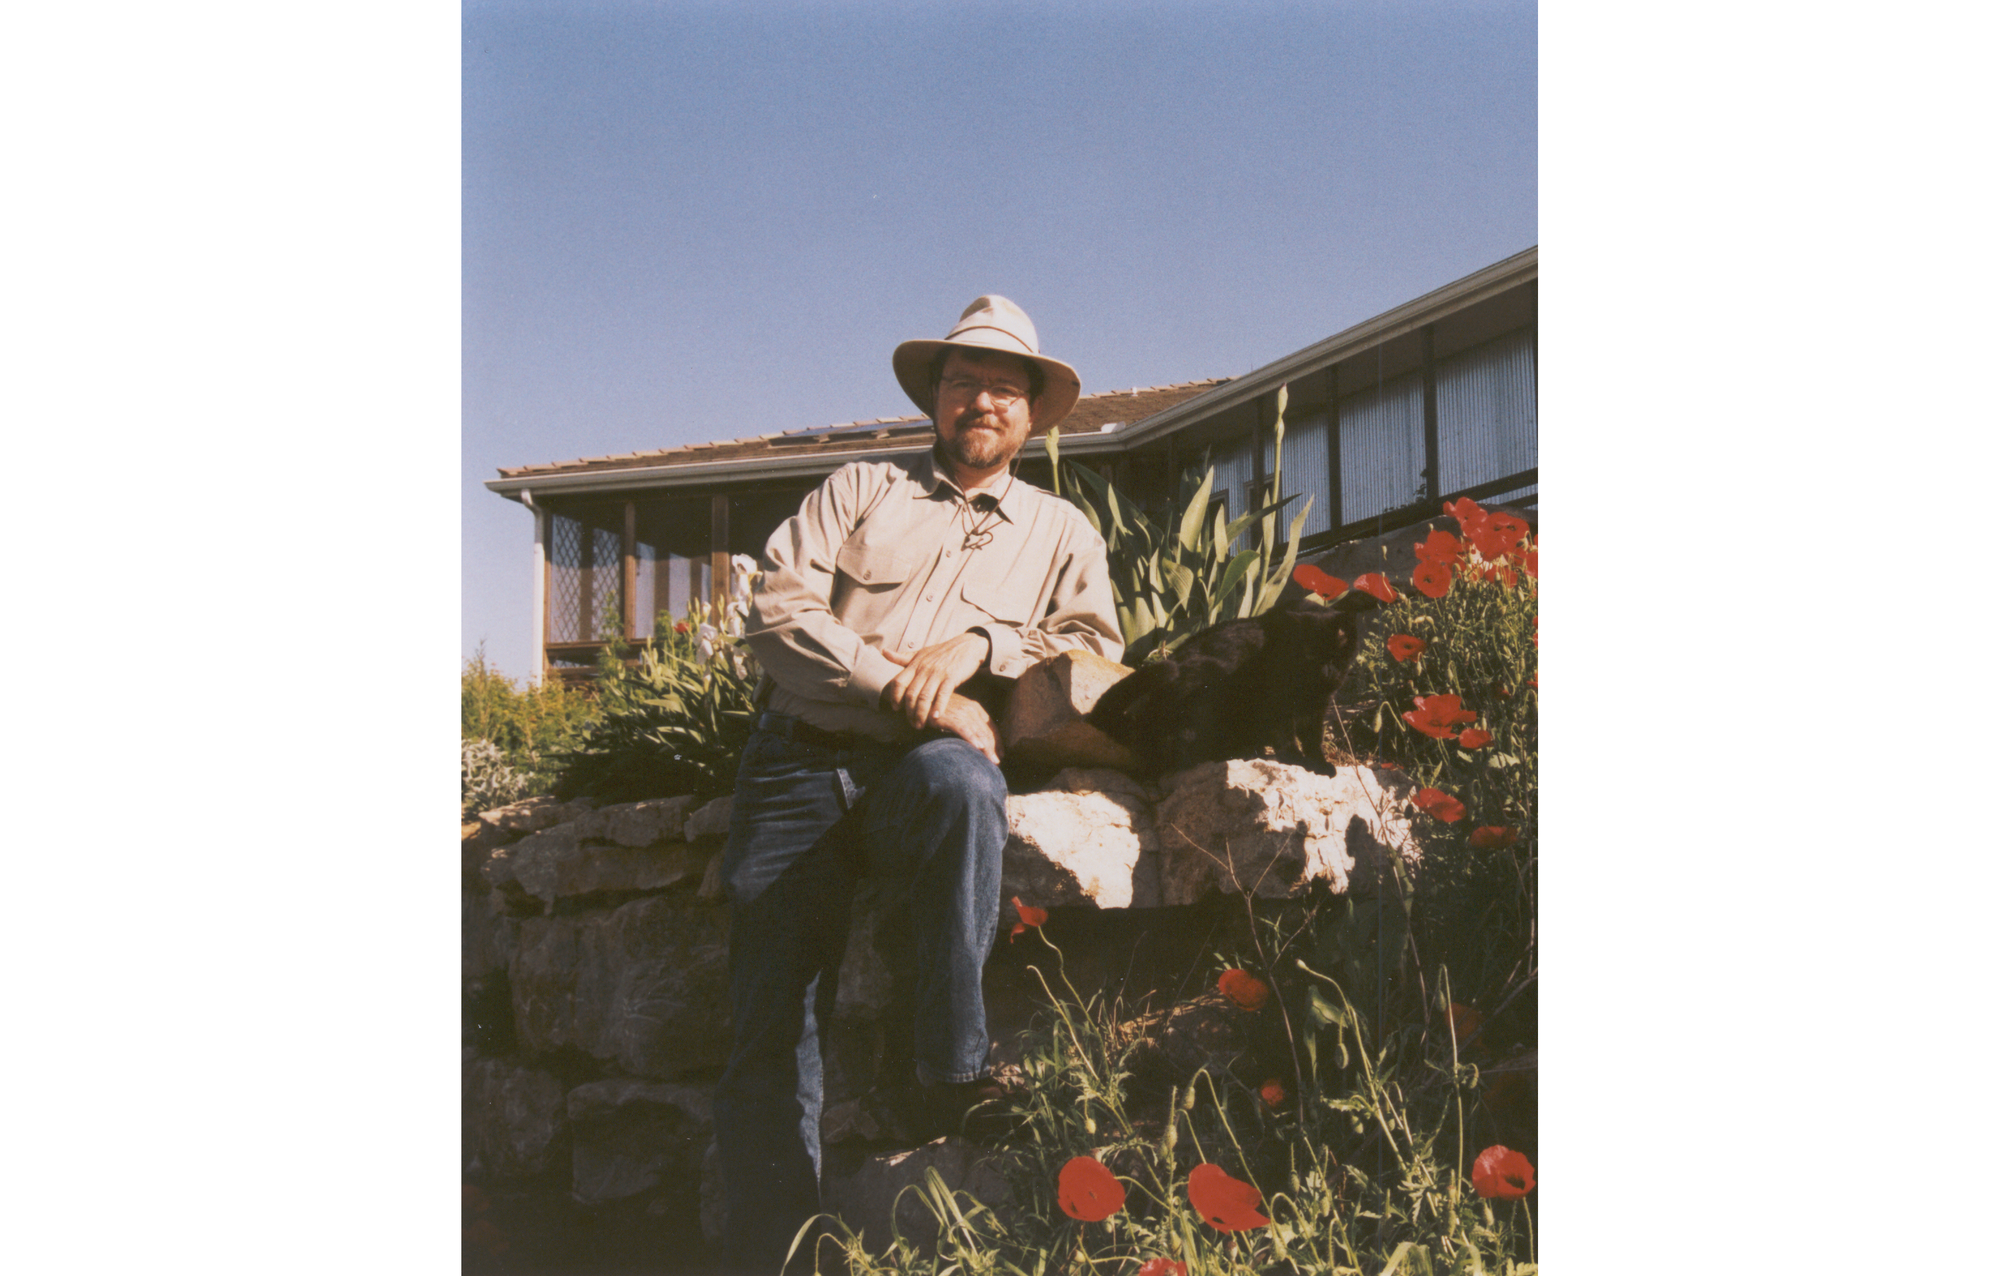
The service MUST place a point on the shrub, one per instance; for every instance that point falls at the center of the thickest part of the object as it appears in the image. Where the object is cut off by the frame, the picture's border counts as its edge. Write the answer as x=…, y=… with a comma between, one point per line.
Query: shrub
x=486, y=780
x=672, y=717
x=520, y=729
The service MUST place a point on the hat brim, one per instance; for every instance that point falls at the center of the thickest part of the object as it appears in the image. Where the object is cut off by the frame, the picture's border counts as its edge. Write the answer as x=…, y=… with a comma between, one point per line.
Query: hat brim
x=1060, y=386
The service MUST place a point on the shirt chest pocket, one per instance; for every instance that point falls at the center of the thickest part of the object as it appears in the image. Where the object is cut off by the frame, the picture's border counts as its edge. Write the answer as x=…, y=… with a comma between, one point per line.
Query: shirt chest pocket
x=872, y=561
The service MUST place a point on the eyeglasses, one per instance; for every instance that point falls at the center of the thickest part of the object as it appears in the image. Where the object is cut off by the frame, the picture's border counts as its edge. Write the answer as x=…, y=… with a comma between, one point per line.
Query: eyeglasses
x=1005, y=394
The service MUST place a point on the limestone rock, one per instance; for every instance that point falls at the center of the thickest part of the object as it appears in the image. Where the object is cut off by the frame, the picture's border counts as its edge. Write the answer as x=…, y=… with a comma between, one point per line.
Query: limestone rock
x=1167, y=1047
x=1079, y=779
x=486, y=934
x=645, y=984
x=515, y=1125
x=864, y=1199
x=629, y=1136
x=1044, y=724
x=1078, y=848
x=1271, y=828
x=645, y=823
x=558, y=863
x=505, y=823
x=710, y=891
x=710, y=820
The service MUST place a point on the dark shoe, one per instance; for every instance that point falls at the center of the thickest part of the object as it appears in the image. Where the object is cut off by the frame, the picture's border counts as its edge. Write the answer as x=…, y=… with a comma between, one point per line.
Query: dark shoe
x=982, y=1109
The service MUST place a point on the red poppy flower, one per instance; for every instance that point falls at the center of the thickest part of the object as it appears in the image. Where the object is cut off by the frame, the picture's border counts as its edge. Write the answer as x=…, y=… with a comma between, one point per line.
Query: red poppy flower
x=1162, y=1266
x=1086, y=1190
x=1492, y=837
x=1464, y=1020
x=1310, y=577
x=1243, y=988
x=1377, y=584
x=1226, y=1204
x=1473, y=737
x=1439, y=805
x=1509, y=526
x=1502, y=1172
x=1029, y=917
x=680, y=626
x=1433, y=580
x=1273, y=1093
x=1440, y=547
x=1494, y=542
x=1466, y=511
x=1403, y=646
x=1528, y=561
x=1436, y=716
x=1503, y=572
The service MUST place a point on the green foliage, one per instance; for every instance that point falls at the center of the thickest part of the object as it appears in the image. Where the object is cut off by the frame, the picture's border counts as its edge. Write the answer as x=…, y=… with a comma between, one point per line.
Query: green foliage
x=521, y=729
x=1179, y=575
x=1364, y=1168
x=1478, y=907
x=672, y=717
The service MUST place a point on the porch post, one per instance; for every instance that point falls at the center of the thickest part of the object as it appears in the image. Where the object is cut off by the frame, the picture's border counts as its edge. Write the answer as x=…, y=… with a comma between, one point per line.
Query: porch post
x=538, y=609
x=718, y=553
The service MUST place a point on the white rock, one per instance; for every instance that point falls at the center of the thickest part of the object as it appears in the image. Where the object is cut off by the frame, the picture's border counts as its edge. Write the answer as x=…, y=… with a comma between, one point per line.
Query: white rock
x=1077, y=848
x=1271, y=829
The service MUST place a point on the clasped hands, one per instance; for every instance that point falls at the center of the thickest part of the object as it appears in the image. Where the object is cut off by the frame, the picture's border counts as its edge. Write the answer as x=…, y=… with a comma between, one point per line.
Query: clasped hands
x=926, y=691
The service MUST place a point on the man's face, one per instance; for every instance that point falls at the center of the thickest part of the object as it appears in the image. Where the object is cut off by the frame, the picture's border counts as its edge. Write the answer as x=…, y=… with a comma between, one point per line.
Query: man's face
x=983, y=411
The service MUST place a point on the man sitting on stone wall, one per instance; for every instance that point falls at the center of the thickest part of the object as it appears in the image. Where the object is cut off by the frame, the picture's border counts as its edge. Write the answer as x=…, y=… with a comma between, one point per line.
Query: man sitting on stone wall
x=896, y=586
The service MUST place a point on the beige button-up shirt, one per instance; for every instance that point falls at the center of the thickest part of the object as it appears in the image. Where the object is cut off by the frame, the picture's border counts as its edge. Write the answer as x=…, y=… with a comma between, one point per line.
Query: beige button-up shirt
x=892, y=556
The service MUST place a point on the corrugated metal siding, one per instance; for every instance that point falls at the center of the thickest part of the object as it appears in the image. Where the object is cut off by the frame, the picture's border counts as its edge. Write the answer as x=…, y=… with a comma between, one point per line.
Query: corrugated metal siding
x=1381, y=448
x=1486, y=412
x=1233, y=474
x=1304, y=471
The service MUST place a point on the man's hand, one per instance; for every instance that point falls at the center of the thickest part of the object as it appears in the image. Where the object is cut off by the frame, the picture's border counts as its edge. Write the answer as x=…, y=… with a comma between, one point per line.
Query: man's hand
x=968, y=720
x=930, y=677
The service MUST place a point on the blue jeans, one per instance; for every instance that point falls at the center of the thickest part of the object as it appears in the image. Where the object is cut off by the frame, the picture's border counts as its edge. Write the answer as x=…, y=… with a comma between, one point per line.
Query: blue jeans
x=808, y=822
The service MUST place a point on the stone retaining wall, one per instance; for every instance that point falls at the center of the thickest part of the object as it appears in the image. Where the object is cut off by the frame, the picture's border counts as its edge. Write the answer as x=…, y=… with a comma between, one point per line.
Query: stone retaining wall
x=595, y=960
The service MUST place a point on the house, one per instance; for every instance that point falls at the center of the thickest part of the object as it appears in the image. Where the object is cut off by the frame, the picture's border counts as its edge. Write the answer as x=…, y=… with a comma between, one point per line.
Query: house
x=1427, y=402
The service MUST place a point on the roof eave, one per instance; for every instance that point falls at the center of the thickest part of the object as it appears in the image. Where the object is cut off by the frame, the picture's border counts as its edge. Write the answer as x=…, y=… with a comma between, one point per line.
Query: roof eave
x=685, y=474
x=1411, y=315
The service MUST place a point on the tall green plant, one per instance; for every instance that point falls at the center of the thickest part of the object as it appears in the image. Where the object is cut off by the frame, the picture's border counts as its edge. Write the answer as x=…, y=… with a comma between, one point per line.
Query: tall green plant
x=1173, y=578
x=673, y=718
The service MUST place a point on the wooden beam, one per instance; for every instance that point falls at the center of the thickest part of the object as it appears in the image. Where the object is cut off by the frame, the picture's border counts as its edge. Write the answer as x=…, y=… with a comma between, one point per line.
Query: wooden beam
x=718, y=554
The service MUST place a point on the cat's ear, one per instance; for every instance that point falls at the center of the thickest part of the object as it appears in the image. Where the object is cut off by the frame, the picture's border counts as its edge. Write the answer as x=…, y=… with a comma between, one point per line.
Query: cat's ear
x=1356, y=602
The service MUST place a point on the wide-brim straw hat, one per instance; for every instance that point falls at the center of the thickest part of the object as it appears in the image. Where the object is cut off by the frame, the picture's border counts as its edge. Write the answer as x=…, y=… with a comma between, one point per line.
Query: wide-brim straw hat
x=990, y=323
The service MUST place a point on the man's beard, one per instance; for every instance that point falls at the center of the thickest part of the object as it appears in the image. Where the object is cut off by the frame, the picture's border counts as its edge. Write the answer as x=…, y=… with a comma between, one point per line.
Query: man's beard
x=975, y=450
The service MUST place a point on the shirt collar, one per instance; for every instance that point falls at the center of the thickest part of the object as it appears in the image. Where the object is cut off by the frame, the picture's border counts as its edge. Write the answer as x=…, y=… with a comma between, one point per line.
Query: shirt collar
x=1010, y=494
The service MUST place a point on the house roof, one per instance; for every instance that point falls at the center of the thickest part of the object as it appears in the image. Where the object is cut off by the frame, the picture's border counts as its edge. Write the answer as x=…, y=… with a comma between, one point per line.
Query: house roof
x=822, y=448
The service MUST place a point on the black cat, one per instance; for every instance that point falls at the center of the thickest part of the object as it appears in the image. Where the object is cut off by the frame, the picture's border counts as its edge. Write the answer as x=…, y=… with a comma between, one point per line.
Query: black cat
x=1234, y=688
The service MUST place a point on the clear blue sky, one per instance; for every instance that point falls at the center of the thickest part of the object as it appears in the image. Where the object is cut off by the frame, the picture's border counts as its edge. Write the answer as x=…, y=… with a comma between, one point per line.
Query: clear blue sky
x=692, y=221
